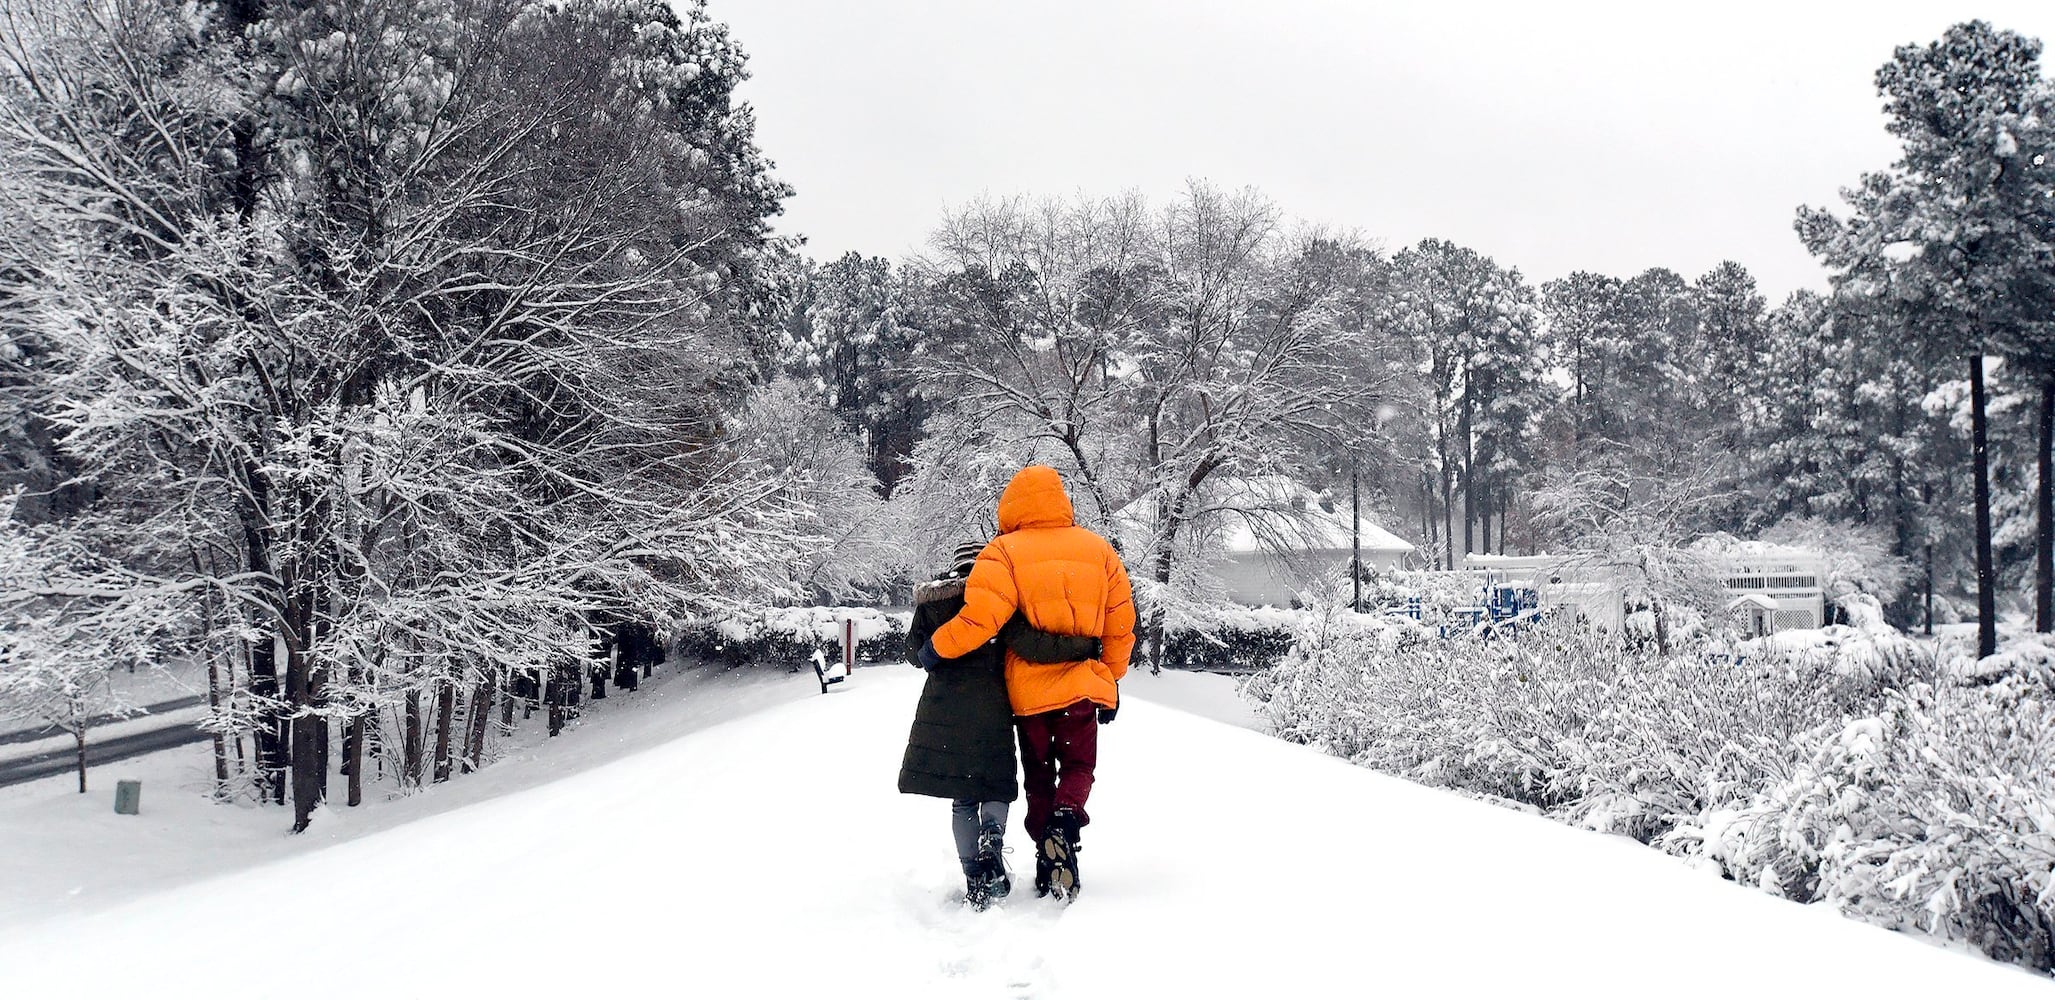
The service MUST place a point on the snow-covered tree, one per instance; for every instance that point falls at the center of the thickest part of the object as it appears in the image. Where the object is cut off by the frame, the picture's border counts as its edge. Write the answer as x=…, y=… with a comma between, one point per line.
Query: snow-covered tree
x=1953, y=235
x=849, y=336
x=1473, y=327
x=406, y=322
x=857, y=546
x=1147, y=352
x=1617, y=520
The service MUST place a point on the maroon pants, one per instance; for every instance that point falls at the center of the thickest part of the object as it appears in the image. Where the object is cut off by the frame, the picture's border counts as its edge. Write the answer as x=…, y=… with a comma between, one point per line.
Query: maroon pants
x=1057, y=753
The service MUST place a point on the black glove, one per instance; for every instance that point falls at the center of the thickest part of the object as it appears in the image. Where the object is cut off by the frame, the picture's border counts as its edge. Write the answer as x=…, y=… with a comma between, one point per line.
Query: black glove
x=926, y=658
x=1106, y=714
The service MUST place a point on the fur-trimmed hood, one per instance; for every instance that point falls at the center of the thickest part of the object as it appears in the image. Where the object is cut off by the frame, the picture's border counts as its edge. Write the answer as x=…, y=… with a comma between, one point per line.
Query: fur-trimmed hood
x=938, y=590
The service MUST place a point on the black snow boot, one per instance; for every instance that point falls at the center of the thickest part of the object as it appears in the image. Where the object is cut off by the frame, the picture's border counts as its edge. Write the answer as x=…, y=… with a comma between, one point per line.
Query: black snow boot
x=1056, y=857
x=977, y=887
x=991, y=862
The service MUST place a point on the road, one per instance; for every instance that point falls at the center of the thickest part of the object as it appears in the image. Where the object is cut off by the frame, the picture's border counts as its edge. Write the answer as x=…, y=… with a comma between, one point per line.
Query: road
x=43, y=765
x=32, y=735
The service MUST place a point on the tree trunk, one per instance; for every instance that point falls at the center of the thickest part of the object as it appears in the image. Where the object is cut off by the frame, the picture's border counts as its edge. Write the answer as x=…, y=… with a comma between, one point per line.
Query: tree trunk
x=2044, y=521
x=1987, y=575
x=553, y=694
x=1426, y=510
x=1484, y=517
x=269, y=732
x=1469, y=481
x=445, y=717
x=410, y=749
x=1930, y=589
x=208, y=649
x=214, y=715
x=309, y=728
x=78, y=738
x=1448, y=518
x=1160, y=572
x=323, y=738
x=479, y=717
x=353, y=757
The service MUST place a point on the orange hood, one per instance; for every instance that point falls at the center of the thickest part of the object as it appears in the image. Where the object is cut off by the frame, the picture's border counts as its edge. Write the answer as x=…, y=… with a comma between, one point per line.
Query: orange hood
x=1035, y=499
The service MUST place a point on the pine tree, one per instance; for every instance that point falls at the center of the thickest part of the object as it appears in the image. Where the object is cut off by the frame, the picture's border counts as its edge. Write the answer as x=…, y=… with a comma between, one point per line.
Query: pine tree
x=850, y=336
x=1948, y=234
x=1474, y=326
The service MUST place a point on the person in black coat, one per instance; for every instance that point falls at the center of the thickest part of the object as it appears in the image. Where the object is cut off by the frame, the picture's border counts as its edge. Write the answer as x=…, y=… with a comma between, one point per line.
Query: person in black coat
x=961, y=747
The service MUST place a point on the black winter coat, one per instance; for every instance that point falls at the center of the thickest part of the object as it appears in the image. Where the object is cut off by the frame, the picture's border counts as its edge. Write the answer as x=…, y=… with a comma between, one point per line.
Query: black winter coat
x=961, y=746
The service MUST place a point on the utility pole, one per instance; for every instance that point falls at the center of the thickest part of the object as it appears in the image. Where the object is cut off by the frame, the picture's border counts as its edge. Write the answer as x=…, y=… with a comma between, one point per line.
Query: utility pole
x=1355, y=534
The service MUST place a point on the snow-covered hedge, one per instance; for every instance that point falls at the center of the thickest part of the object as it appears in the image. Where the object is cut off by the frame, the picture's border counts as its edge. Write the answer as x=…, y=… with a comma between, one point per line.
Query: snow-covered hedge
x=1234, y=636
x=788, y=637
x=1559, y=717
x=1838, y=764
x=1936, y=812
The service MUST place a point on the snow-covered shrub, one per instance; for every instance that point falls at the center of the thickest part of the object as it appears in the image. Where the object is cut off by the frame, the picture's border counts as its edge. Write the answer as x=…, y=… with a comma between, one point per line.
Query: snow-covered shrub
x=1318, y=693
x=1218, y=634
x=1861, y=660
x=1437, y=592
x=790, y=636
x=2030, y=656
x=1564, y=718
x=1231, y=635
x=1937, y=812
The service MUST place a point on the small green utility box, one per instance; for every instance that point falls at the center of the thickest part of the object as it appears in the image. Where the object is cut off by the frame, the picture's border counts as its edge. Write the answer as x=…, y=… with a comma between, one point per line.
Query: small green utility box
x=128, y=797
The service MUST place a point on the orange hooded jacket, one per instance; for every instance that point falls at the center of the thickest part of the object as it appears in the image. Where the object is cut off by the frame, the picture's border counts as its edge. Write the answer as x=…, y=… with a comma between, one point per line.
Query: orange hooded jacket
x=1066, y=579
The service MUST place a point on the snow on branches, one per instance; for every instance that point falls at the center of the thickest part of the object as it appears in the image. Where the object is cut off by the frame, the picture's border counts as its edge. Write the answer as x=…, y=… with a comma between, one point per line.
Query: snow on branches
x=399, y=343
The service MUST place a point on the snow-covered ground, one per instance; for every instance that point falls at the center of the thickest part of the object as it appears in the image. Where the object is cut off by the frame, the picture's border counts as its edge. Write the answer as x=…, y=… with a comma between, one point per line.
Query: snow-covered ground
x=740, y=836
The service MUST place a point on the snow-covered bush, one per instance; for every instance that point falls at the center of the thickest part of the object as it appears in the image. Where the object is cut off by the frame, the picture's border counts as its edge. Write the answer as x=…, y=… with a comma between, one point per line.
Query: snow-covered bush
x=1437, y=592
x=1216, y=635
x=790, y=636
x=1937, y=812
x=2030, y=656
x=1563, y=718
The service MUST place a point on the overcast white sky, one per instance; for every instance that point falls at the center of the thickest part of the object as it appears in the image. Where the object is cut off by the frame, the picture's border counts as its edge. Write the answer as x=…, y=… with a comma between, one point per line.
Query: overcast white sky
x=1553, y=137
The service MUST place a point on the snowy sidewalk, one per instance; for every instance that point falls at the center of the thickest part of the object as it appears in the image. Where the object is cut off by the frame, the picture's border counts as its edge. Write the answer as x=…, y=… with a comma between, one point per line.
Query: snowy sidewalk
x=770, y=856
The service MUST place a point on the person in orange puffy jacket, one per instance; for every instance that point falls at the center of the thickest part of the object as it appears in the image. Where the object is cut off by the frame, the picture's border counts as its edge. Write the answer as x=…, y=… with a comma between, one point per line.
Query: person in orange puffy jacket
x=1069, y=581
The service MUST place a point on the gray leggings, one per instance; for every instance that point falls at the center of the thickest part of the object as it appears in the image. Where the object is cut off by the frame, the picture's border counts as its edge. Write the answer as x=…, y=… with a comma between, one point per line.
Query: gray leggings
x=967, y=817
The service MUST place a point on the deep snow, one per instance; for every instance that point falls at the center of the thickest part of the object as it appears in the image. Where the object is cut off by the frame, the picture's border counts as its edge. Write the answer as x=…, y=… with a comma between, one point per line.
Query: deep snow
x=768, y=855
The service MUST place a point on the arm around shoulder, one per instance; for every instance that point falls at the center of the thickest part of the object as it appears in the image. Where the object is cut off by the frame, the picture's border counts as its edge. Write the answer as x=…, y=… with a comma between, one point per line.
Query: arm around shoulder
x=1119, y=640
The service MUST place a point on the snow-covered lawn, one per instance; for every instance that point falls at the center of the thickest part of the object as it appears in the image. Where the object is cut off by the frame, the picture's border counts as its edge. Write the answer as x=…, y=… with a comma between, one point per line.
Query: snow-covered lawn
x=741, y=837
x=65, y=853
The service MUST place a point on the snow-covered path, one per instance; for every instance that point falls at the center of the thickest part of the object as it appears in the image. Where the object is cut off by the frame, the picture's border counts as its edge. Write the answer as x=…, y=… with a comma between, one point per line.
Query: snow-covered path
x=770, y=856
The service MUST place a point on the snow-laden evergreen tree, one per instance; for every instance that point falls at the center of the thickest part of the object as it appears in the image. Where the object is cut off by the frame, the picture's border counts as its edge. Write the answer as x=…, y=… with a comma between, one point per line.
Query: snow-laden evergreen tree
x=1474, y=327
x=1729, y=347
x=1838, y=430
x=849, y=335
x=1586, y=329
x=1952, y=236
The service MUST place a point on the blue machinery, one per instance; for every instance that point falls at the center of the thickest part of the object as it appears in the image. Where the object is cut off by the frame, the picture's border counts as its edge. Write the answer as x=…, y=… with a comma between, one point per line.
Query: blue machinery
x=1503, y=602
